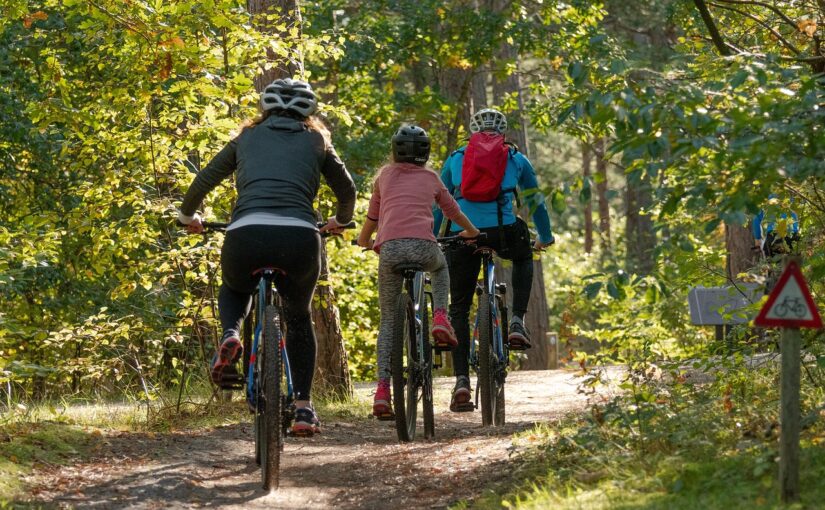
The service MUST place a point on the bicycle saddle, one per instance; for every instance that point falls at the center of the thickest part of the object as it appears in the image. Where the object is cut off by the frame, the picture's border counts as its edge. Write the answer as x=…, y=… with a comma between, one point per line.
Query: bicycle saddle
x=407, y=266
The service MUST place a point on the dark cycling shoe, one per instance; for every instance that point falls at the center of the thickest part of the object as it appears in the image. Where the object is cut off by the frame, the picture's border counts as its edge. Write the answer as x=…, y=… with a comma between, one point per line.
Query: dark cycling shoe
x=518, y=339
x=306, y=423
x=462, y=401
x=223, y=363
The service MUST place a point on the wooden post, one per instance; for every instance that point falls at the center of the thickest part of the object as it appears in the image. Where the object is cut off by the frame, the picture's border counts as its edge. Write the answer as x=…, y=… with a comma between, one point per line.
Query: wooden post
x=552, y=350
x=790, y=416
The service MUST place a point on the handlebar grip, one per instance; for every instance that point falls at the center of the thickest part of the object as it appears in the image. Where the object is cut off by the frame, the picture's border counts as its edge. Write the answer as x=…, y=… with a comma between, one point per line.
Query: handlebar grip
x=351, y=224
x=208, y=225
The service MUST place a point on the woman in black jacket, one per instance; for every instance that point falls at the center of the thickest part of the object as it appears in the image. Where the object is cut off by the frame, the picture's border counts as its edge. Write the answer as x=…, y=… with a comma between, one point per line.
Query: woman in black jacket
x=278, y=160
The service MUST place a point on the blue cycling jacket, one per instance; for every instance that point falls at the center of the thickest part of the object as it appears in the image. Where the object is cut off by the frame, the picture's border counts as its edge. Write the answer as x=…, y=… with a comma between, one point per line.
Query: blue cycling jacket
x=756, y=225
x=518, y=174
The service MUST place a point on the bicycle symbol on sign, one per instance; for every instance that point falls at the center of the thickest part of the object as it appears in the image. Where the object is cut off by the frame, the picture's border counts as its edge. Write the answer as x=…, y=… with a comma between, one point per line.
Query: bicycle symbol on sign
x=791, y=305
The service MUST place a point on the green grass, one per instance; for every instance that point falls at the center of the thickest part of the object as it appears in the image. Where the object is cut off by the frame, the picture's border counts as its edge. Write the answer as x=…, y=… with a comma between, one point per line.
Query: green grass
x=712, y=447
x=25, y=445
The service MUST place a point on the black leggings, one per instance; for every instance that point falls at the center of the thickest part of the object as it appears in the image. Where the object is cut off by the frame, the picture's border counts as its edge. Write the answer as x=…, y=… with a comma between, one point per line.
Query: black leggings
x=296, y=251
x=464, y=266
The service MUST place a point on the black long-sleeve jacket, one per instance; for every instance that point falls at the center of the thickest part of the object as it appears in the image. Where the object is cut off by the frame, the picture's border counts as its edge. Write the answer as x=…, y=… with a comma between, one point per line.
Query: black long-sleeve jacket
x=278, y=166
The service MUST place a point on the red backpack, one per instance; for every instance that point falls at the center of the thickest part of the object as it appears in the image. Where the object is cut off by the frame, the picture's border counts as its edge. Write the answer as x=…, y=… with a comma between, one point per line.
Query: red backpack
x=485, y=160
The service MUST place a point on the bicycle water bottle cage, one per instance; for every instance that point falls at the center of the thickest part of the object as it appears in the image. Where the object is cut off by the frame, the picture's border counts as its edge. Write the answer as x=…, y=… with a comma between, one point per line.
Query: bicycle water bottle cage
x=408, y=269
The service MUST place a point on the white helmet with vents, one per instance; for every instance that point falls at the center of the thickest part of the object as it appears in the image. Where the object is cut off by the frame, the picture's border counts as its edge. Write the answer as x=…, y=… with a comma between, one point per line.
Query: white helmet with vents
x=290, y=95
x=488, y=119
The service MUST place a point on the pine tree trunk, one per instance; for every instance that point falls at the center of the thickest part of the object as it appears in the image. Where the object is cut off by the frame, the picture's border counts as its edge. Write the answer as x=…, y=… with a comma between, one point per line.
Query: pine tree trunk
x=588, y=207
x=601, y=191
x=331, y=370
x=741, y=256
x=536, y=319
x=641, y=239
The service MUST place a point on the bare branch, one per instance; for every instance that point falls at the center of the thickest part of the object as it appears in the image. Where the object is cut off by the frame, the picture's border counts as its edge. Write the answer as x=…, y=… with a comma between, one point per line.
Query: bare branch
x=711, y=25
x=776, y=10
x=764, y=24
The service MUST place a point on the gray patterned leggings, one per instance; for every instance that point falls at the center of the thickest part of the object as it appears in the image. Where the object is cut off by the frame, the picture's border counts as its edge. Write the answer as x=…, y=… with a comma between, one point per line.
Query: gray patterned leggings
x=399, y=251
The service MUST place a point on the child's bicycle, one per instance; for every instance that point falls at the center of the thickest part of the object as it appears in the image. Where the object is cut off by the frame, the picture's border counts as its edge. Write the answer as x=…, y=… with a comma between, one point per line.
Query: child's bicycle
x=266, y=375
x=413, y=356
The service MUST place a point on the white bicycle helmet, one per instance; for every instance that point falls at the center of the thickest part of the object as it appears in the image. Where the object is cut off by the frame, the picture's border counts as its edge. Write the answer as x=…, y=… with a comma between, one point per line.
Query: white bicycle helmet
x=290, y=95
x=488, y=119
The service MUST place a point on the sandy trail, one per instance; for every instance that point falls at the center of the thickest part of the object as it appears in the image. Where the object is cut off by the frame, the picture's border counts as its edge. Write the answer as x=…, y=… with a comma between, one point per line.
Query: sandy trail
x=356, y=464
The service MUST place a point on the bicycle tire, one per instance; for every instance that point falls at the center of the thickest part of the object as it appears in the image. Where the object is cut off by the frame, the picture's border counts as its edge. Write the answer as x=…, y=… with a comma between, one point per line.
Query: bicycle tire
x=486, y=360
x=501, y=371
x=405, y=399
x=427, y=383
x=271, y=392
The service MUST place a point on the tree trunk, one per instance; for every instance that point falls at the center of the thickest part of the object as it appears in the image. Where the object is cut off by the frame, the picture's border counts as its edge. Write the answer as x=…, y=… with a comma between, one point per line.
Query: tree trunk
x=331, y=370
x=290, y=12
x=641, y=239
x=455, y=85
x=741, y=256
x=536, y=319
x=479, y=89
x=601, y=191
x=588, y=207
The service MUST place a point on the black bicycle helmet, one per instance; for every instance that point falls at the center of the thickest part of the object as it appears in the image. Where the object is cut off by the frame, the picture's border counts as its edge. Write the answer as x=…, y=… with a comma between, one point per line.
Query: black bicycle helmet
x=411, y=145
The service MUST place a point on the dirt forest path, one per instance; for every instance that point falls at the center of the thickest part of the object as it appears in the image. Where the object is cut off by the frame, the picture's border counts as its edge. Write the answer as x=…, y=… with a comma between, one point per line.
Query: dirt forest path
x=356, y=464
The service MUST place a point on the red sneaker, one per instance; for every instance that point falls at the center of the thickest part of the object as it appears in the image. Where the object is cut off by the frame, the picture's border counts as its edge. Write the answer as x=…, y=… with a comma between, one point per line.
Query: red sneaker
x=442, y=331
x=382, y=404
x=228, y=354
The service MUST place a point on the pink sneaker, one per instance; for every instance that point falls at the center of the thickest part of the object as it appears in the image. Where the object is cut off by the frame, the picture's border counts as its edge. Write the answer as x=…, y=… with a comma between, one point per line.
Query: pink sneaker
x=381, y=405
x=442, y=330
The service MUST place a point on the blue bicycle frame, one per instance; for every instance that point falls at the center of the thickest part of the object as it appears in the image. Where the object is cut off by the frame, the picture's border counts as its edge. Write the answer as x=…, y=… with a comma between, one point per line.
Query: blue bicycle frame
x=263, y=286
x=498, y=337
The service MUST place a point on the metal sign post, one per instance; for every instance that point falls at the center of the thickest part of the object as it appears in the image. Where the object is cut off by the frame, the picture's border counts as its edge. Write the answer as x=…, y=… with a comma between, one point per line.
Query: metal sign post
x=789, y=307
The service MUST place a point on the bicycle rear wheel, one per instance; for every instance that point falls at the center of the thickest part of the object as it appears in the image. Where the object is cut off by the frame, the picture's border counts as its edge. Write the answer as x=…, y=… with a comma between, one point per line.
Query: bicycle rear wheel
x=427, y=371
x=486, y=360
x=403, y=359
x=270, y=408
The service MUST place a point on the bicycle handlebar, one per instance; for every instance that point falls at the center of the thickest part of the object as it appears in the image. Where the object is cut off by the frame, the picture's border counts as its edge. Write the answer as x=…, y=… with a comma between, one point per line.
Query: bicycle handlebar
x=219, y=226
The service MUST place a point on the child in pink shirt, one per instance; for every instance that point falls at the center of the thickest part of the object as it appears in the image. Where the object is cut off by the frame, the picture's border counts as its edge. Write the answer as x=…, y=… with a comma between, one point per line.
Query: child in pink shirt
x=401, y=209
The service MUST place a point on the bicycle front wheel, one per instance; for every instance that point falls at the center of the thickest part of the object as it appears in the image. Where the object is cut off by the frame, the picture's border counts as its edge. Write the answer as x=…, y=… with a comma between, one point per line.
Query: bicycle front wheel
x=486, y=360
x=501, y=370
x=403, y=361
x=270, y=378
x=427, y=371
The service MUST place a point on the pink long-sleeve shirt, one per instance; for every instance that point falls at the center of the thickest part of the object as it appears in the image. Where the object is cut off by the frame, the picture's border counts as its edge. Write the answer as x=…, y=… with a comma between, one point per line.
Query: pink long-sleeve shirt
x=402, y=201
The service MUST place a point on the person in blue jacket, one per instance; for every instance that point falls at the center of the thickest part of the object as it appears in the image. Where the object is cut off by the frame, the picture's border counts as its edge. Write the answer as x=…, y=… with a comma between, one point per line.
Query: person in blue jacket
x=766, y=238
x=510, y=237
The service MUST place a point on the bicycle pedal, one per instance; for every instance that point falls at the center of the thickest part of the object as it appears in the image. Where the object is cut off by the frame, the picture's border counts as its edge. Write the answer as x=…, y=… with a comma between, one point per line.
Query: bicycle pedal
x=232, y=382
x=442, y=348
x=385, y=417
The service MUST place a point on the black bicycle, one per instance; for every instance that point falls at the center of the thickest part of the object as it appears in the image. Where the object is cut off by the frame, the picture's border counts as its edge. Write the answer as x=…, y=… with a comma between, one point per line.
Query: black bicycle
x=266, y=375
x=412, y=355
x=489, y=351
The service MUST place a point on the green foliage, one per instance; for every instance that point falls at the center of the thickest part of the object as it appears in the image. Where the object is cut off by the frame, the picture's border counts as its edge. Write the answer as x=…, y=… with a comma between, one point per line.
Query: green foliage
x=699, y=440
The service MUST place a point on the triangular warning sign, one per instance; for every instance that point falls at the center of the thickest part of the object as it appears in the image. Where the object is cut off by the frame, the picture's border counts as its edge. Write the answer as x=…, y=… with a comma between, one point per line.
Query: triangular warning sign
x=790, y=304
